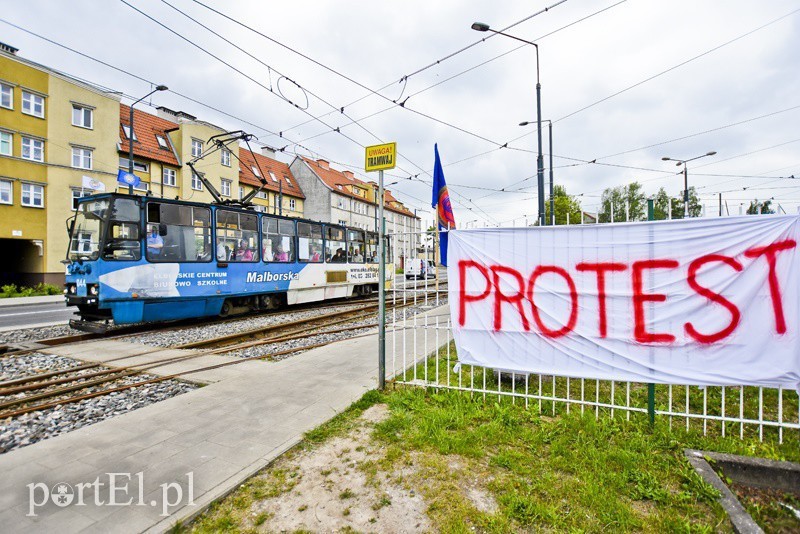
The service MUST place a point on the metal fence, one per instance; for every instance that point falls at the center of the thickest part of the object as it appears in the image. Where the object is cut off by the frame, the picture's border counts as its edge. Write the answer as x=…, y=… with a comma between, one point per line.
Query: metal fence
x=421, y=353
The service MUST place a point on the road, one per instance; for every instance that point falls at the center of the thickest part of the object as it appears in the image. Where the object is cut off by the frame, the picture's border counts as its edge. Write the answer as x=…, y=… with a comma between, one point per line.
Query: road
x=30, y=315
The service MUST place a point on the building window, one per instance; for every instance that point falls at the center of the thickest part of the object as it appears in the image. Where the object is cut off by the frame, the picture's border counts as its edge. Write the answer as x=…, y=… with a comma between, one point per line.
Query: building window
x=137, y=165
x=32, y=104
x=226, y=188
x=6, y=192
x=6, y=96
x=197, y=185
x=162, y=143
x=342, y=222
x=262, y=194
x=33, y=195
x=127, y=131
x=32, y=149
x=197, y=148
x=241, y=192
x=168, y=176
x=81, y=116
x=81, y=158
x=273, y=177
x=77, y=194
x=255, y=171
x=288, y=181
x=5, y=143
x=225, y=154
x=292, y=204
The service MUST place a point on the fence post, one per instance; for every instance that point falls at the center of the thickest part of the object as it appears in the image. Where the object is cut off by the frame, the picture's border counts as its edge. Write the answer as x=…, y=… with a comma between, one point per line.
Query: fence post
x=651, y=388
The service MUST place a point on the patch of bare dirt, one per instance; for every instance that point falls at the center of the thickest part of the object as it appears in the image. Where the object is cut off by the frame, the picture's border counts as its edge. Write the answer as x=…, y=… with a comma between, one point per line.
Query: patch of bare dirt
x=337, y=489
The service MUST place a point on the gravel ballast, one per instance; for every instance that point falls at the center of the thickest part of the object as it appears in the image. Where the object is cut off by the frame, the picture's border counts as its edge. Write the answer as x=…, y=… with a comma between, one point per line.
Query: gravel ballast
x=37, y=426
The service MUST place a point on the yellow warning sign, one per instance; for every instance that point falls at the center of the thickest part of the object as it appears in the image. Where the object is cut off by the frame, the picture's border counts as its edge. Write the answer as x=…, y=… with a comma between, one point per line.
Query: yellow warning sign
x=380, y=157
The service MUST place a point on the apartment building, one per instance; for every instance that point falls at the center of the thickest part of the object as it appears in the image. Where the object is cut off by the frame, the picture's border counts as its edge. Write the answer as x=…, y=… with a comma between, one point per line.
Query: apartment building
x=54, y=131
x=339, y=197
x=281, y=192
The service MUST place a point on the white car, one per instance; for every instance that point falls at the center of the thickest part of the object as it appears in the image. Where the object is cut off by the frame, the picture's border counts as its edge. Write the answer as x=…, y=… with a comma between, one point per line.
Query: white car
x=420, y=268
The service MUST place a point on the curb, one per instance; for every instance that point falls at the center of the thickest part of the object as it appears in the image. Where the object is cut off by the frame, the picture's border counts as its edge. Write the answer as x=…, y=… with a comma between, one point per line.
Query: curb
x=22, y=301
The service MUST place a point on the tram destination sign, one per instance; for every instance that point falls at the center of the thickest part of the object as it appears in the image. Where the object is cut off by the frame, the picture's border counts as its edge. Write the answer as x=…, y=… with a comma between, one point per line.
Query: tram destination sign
x=380, y=157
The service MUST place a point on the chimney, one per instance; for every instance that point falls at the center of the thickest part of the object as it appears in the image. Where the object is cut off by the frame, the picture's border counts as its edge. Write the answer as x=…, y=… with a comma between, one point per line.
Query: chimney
x=8, y=49
x=174, y=116
x=268, y=151
x=349, y=175
x=324, y=164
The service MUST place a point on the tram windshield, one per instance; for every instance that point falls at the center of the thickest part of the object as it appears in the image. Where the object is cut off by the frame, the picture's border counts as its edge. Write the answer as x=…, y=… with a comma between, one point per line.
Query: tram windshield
x=90, y=224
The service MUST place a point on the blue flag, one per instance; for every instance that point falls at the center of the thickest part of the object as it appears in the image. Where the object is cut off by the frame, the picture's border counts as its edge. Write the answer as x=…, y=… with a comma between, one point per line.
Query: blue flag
x=441, y=201
x=127, y=178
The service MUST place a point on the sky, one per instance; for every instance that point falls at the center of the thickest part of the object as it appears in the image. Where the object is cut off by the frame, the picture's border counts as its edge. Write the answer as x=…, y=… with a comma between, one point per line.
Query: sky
x=624, y=83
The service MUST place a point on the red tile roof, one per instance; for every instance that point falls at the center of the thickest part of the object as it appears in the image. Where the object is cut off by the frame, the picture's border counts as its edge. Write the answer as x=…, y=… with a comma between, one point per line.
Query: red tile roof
x=146, y=127
x=280, y=170
x=339, y=182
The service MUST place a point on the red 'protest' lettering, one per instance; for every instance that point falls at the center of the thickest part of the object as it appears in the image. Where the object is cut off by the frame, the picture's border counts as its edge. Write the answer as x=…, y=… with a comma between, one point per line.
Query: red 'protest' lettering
x=713, y=297
x=600, y=270
x=573, y=294
x=500, y=297
x=464, y=298
x=771, y=252
x=640, y=332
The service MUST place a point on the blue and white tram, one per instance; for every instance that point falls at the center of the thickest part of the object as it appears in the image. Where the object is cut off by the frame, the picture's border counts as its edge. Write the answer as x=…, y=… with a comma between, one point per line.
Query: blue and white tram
x=141, y=259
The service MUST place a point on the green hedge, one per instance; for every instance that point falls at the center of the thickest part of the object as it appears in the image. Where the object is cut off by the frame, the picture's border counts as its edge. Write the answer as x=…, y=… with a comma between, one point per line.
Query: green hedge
x=11, y=291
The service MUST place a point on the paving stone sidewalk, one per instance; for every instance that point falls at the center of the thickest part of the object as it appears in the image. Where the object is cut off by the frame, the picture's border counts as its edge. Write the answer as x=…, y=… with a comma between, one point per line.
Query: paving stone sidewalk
x=188, y=450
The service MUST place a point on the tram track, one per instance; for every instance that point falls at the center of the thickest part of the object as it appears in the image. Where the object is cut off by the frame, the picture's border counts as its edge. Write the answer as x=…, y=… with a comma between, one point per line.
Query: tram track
x=271, y=334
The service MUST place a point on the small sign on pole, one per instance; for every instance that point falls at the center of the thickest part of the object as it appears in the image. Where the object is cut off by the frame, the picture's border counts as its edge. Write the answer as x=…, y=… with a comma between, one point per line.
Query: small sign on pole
x=379, y=158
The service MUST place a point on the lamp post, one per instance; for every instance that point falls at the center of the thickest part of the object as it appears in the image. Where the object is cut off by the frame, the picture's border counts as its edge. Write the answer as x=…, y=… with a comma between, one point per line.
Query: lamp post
x=686, y=178
x=130, y=133
x=550, y=145
x=481, y=27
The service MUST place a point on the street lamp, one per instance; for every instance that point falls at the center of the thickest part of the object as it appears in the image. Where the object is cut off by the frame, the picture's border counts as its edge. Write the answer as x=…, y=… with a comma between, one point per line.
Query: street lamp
x=686, y=178
x=130, y=133
x=550, y=145
x=481, y=27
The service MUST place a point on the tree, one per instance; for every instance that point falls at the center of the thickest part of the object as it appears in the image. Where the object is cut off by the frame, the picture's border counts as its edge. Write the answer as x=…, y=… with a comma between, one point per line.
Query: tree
x=662, y=208
x=564, y=204
x=763, y=208
x=623, y=198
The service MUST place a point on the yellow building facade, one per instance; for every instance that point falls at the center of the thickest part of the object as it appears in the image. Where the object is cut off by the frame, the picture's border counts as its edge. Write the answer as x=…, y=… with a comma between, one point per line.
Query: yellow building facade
x=53, y=131
x=58, y=134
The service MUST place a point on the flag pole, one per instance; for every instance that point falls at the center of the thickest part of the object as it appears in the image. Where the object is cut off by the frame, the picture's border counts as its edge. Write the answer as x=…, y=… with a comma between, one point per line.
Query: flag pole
x=436, y=261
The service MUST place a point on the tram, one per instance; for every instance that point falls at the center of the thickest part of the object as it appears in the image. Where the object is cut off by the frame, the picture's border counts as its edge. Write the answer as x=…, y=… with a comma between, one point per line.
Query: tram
x=135, y=259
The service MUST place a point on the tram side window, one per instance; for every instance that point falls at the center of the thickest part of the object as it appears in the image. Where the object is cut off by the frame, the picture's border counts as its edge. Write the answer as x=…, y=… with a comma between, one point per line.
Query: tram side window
x=372, y=248
x=123, y=233
x=177, y=233
x=309, y=242
x=277, y=242
x=355, y=246
x=335, y=245
x=237, y=236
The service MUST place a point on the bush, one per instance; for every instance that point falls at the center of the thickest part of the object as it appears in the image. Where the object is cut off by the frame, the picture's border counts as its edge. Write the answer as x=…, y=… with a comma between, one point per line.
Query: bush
x=11, y=290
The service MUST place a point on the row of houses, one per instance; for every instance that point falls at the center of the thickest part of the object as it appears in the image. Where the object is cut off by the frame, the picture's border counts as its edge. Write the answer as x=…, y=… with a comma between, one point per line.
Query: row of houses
x=58, y=133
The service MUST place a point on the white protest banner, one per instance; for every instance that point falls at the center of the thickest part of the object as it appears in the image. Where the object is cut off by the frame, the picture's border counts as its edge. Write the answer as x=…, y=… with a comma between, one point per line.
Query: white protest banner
x=699, y=301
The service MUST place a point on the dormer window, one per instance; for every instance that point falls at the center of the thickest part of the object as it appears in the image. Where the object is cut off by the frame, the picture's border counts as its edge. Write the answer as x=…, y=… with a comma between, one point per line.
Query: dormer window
x=127, y=131
x=288, y=181
x=255, y=171
x=162, y=143
x=272, y=175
